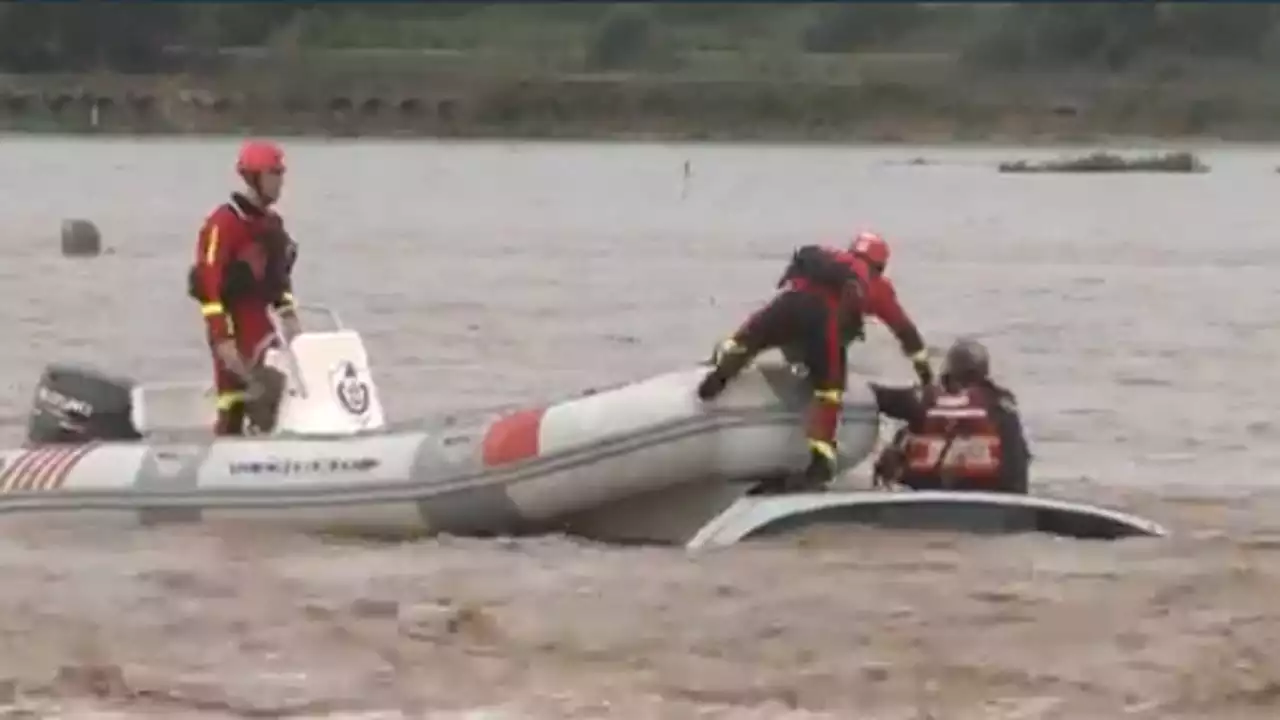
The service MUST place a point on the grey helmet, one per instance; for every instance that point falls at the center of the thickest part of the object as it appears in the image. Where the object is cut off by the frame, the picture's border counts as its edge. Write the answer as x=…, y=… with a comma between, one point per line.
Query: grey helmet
x=967, y=361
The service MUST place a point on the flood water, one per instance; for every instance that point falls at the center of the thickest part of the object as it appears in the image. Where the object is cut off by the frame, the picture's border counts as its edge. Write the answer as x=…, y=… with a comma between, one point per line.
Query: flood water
x=1134, y=315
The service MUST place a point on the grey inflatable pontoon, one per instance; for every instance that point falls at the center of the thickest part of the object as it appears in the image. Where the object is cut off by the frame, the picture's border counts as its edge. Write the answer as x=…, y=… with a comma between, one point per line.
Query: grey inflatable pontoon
x=640, y=462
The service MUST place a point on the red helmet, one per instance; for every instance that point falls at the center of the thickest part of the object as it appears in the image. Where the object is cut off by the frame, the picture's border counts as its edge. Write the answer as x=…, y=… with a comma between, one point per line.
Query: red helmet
x=871, y=247
x=258, y=156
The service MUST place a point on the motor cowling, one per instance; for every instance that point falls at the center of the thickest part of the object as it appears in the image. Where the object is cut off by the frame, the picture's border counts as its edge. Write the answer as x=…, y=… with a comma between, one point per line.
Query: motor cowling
x=75, y=404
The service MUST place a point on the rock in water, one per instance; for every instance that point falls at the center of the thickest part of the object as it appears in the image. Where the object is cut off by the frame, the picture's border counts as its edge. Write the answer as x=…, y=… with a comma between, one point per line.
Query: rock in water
x=80, y=238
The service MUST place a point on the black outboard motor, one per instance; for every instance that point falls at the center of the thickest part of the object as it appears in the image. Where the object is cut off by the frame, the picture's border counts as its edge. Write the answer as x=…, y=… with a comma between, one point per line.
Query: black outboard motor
x=77, y=404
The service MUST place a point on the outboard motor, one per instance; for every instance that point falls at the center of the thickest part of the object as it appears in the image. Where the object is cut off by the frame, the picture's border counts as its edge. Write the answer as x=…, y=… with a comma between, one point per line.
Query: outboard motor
x=77, y=404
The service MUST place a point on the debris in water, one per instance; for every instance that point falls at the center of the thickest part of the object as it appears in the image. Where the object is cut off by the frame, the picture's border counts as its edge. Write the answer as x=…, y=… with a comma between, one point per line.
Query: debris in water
x=80, y=238
x=1178, y=162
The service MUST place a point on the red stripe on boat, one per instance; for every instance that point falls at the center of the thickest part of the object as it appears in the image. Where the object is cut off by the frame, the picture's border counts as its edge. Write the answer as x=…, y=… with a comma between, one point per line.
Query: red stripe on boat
x=513, y=438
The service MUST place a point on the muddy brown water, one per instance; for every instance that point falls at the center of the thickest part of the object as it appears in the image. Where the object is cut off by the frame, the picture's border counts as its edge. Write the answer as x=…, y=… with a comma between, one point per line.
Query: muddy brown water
x=1134, y=315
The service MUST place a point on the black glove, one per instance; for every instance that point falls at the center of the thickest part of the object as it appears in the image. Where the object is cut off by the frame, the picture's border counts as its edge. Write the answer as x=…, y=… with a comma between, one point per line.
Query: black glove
x=712, y=385
x=924, y=371
x=888, y=467
x=728, y=360
x=263, y=397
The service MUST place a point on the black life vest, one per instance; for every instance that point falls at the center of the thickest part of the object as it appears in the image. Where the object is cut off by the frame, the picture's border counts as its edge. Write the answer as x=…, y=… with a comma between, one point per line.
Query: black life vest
x=264, y=276
x=818, y=266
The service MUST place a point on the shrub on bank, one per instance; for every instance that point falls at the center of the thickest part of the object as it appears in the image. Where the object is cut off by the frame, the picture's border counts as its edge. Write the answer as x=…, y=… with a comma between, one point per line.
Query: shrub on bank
x=1178, y=162
x=626, y=39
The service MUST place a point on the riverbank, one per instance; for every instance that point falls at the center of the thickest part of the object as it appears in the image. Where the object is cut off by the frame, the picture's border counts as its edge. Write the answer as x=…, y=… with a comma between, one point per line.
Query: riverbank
x=937, y=109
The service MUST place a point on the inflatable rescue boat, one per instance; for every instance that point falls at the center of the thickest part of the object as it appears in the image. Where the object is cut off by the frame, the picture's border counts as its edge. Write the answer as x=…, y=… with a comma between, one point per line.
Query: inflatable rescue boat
x=646, y=461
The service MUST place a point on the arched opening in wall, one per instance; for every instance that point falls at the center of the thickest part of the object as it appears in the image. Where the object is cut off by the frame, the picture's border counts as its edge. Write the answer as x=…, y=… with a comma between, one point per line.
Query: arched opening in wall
x=296, y=104
x=142, y=104
x=100, y=108
x=1065, y=109
x=410, y=107
x=58, y=103
x=341, y=105
x=371, y=107
x=447, y=110
x=17, y=103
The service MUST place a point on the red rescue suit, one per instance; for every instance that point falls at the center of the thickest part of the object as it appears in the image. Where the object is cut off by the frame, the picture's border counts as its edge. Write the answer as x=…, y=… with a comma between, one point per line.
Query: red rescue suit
x=244, y=265
x=818, y=296
x=881, y=301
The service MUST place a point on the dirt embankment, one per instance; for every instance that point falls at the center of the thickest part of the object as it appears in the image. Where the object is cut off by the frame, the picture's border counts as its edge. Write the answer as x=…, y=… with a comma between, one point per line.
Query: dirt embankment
x=629, y=106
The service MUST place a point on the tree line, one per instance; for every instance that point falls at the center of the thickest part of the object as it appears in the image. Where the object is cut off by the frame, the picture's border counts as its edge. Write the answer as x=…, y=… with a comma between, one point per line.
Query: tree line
x=163, y=37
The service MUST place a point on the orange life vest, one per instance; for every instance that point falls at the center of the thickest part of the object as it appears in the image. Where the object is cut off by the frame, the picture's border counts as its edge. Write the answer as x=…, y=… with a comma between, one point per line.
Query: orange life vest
x=958, y=441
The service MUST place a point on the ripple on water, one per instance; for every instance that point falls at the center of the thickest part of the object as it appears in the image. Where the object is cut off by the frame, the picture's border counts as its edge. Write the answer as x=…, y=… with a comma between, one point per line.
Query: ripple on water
x=485, y=274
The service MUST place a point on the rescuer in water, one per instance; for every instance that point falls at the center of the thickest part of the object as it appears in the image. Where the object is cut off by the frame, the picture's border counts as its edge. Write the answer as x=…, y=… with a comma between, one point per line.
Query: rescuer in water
x=817, y=306
x=964, y=435
x=243, y=270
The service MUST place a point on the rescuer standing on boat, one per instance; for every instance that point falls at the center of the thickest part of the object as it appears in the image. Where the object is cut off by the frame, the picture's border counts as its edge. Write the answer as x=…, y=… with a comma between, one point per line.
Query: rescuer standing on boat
x=243, y=269
x=808, y=320
x=965, y=435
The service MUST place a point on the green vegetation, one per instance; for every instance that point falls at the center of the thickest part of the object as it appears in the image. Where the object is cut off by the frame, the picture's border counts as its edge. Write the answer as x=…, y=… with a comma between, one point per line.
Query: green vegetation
x=1178, y=162
x=880, y=71
x=157, y=37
